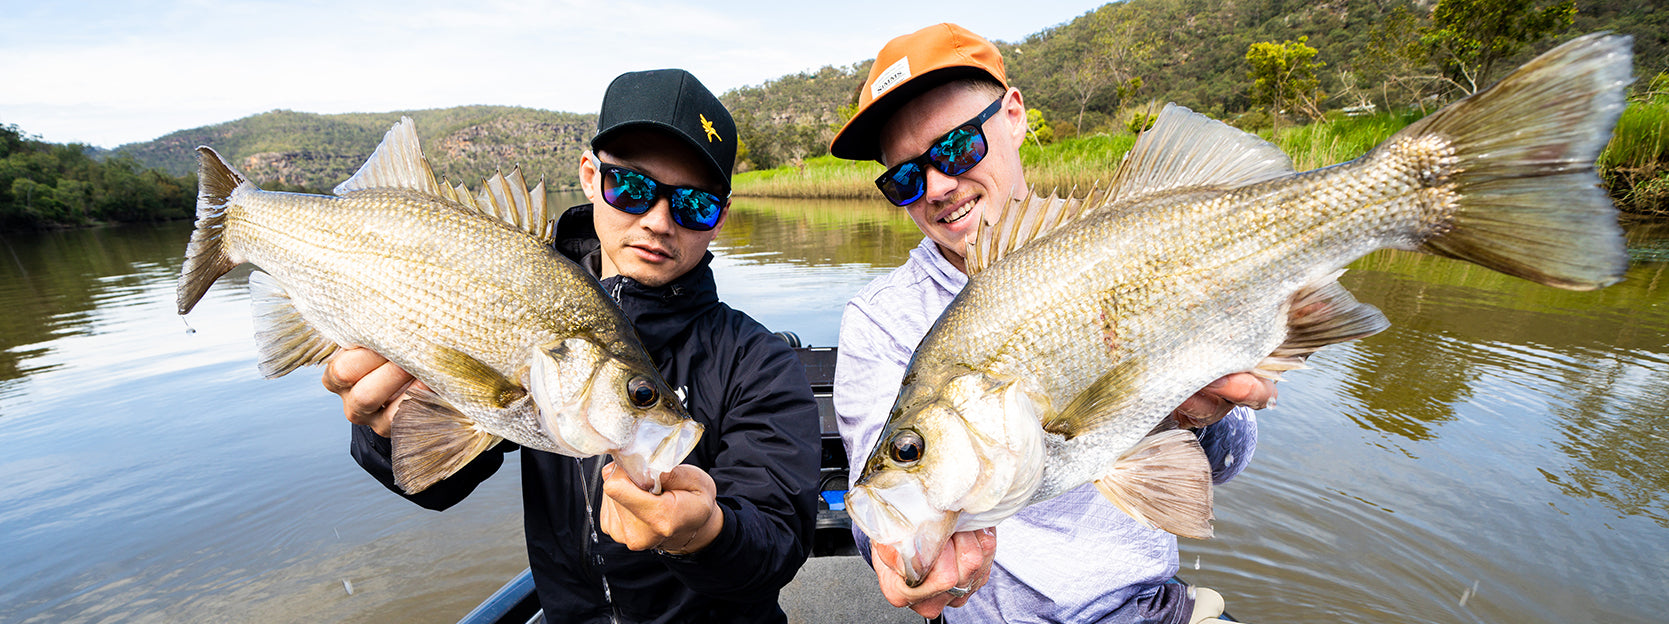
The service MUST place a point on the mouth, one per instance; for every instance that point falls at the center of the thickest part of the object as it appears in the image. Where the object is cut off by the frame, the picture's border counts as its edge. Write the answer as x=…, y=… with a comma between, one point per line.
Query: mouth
x=906, y=522
x=652, y=253
x=961, y=212
x=655, y=450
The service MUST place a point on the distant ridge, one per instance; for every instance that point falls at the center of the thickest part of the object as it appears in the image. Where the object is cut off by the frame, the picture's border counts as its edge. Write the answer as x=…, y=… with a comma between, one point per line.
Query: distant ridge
x=311, y=151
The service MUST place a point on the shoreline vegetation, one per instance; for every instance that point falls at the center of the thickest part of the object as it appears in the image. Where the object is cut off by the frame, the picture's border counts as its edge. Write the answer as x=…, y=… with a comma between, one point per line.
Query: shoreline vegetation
x=1634, y=166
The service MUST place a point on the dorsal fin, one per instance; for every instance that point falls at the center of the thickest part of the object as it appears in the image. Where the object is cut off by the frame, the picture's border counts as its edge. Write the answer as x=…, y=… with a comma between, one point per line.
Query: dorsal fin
x=1183, y=149
x=508, y=199
x=1023, y=220
x=398, y=162
x=1186, y=149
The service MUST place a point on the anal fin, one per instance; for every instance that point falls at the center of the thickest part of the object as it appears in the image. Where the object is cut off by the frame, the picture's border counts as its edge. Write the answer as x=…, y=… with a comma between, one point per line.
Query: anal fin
x=285, y=340
x=432, y=441
x=1165, y=482
x=1318, y=315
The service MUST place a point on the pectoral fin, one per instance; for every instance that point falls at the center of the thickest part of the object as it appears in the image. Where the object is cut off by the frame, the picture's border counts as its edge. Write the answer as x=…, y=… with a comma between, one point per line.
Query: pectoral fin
x=1101, y=400
x=1164, y=482
x=1320, y=314
x=432, y=441
x=285, y=339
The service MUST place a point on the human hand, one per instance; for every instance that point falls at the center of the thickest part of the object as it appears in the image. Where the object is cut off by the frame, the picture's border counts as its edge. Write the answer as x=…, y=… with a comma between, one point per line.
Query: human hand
x=1214, y=401
x=682, y=519
x=961, y=570
x=371, y=387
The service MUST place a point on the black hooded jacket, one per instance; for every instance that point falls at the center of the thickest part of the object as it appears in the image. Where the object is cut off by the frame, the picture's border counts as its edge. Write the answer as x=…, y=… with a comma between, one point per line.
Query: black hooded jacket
x=760, y=445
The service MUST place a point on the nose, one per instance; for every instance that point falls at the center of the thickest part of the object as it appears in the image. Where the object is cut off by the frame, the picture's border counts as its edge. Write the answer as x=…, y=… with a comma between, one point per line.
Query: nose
x=938, y=186
x=659, y=217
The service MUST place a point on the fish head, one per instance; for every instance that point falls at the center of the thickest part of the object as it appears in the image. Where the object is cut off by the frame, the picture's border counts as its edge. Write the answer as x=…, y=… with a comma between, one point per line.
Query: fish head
x=959, y=456
x=595, y=397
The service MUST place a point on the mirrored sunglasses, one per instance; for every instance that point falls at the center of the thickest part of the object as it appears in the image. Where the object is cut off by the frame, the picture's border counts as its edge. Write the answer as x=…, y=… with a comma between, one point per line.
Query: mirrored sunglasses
x=953, y=154
x=635, y=193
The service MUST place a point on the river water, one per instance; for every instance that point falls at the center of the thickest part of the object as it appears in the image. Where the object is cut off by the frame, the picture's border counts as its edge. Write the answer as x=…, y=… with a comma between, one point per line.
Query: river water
x=1500, y=454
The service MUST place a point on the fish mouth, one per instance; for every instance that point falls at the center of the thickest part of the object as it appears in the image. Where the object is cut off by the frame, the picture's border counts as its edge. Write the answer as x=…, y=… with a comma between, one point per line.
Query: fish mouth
x=655, y=449
x=900, y=516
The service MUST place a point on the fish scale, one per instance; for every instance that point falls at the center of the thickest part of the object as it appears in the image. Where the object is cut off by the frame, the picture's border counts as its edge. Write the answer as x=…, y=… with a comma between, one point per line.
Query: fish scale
x=512, y=340
x=1076, y=337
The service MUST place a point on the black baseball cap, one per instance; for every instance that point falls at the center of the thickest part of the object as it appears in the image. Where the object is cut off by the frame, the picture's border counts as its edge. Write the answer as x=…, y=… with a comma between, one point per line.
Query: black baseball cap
x=674, y=101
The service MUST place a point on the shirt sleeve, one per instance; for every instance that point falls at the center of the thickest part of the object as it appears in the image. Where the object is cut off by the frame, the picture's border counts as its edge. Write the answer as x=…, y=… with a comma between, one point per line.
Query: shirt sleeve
x=1229, y=443
x=373, y=453
x=766, y=476
x=869, y=367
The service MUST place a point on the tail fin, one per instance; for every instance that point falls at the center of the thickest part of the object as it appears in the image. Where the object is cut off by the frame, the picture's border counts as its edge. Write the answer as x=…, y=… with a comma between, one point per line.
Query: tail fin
x=1526, y=199
x=206, y=258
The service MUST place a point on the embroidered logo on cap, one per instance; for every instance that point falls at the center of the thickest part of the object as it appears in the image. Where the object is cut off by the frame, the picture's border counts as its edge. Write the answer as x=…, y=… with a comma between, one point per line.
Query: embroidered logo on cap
x=896, y=73
x=708, y=126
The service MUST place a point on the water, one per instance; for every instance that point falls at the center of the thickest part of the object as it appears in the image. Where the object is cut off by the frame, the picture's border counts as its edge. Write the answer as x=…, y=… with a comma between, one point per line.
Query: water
x=1500, y=434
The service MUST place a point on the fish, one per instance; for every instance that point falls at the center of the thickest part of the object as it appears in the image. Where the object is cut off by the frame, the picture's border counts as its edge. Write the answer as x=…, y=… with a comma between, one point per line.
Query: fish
x=515, y=341
x=1086, y=321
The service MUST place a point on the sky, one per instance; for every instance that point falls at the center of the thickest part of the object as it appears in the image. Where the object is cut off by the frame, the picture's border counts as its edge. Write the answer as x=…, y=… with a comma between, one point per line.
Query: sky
x=108, y=73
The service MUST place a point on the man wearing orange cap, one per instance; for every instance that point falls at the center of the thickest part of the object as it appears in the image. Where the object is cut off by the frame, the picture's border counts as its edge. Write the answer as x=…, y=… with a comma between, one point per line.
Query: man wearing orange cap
x=937, y=111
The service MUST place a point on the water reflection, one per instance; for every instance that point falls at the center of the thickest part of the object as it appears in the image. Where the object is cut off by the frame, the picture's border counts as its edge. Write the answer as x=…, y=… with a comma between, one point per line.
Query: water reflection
x=1500, y=432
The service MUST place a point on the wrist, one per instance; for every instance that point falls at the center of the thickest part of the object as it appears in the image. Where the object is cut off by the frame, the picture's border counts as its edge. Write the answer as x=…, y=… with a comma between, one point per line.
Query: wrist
x=702, y=536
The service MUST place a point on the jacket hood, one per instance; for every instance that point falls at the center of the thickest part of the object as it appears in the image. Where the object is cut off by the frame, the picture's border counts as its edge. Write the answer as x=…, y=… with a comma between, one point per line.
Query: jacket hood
x=659, y=313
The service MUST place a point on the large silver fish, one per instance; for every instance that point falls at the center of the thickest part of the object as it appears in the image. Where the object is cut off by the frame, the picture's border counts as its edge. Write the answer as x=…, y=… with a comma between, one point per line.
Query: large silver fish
x=1084, y=323
x=464, y=292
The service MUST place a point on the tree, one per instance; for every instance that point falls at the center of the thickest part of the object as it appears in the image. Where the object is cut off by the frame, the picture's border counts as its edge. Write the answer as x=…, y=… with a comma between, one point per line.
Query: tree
x=1284, y=75
x=1467, y=37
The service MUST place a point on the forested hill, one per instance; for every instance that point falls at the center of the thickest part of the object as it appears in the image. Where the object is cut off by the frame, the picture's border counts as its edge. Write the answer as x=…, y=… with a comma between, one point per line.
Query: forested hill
x=1085, y=75
x=294, y=150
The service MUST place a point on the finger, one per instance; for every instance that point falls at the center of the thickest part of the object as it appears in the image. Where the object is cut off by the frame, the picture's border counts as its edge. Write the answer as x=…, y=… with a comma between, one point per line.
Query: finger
x=689, y=478
x=1201, y=409
x=372, y=400
x=1244, y=389
x=348, y=366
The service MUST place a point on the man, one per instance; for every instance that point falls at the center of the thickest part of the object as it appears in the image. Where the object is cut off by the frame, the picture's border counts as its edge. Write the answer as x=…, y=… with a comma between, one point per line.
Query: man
x=734, y=523
x=1074, y=558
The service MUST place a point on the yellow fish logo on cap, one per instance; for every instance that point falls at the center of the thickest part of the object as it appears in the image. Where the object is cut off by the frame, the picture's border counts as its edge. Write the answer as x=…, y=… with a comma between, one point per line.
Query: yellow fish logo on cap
x=708, y=126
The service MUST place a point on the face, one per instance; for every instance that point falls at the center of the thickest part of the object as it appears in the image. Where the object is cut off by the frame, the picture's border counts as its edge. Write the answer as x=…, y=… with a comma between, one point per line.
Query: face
x=952, y=206
x=650, y=248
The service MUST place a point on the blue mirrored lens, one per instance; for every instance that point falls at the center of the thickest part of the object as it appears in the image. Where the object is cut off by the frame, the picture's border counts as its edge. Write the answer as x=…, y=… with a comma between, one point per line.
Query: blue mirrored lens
x=958, y=151
x=904, y=184
x=695, y=209
x=628, y=190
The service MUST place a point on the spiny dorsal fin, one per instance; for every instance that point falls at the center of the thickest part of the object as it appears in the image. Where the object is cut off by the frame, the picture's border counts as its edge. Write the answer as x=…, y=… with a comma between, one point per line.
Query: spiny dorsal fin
x=397, y=163
x=508, y=199
x=1318, y=315
x=1023, y=220
x=432, y=441
x=1164, y=482
x=285, y=339
x=1186, y=149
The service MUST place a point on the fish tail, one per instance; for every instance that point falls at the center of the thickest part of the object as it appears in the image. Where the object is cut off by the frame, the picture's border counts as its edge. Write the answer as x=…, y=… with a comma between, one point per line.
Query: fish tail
x=1509, y=172
x=206, y=257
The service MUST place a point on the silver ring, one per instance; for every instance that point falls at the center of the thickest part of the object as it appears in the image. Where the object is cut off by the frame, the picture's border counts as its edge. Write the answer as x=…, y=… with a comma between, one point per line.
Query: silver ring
x=958, y=592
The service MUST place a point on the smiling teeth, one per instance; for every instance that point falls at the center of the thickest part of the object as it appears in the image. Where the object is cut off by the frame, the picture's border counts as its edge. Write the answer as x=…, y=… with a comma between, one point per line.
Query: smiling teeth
x=958, y=214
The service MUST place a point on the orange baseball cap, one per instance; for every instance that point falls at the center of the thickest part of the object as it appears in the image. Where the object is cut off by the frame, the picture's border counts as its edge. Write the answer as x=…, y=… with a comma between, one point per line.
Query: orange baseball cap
x=907, y=67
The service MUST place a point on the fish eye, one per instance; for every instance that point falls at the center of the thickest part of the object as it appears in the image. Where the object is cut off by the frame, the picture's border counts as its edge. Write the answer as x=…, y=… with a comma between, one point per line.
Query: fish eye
x=907, y=447
x=641, y=392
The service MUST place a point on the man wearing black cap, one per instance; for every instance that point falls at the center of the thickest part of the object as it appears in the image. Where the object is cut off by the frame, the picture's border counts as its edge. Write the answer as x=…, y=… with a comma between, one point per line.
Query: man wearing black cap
x=733, y=523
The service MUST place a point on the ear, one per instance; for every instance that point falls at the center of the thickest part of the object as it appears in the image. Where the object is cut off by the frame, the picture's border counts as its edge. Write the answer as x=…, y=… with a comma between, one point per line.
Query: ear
x=588, y=177
x=1015, y=110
